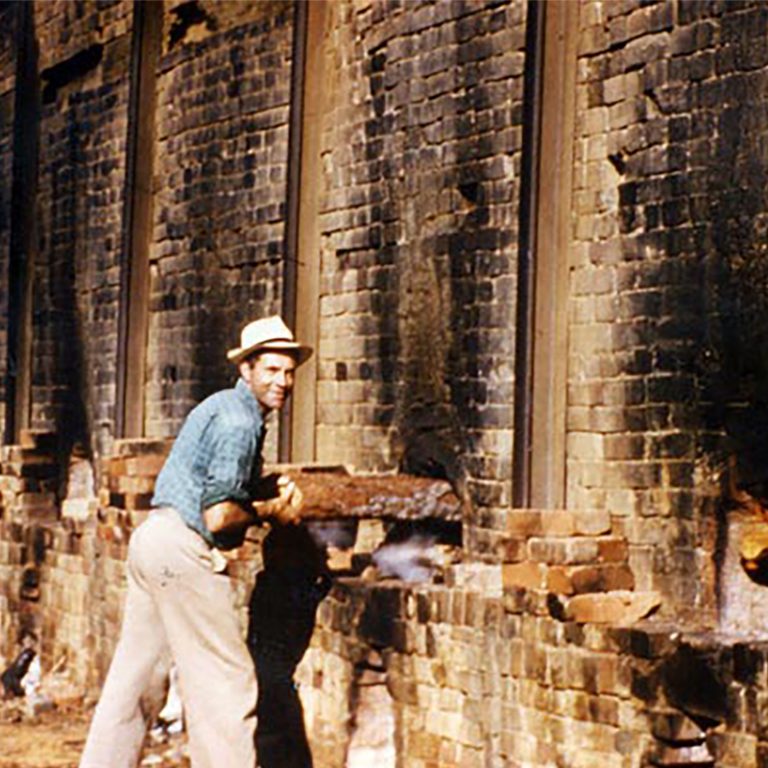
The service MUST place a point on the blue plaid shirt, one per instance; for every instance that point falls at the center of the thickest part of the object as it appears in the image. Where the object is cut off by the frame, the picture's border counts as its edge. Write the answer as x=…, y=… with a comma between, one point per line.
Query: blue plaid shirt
x=216, y=457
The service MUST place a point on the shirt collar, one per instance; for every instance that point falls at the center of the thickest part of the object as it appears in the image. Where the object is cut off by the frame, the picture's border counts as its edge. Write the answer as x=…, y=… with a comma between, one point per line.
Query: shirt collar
x=245, y=394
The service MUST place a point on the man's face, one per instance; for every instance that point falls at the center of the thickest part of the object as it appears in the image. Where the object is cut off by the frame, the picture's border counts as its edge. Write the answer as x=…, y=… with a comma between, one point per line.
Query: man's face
x=270, y=377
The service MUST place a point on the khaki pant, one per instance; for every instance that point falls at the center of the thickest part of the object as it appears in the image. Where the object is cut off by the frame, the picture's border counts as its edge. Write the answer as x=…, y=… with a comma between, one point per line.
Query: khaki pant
x=177, y=606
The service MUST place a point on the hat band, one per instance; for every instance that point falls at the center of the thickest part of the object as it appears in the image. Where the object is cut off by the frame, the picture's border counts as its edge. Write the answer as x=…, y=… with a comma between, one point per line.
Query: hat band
x=278, y=339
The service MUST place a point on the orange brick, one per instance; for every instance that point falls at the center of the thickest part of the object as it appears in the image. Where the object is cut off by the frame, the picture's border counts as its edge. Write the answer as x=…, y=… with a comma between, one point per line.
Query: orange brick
x=142, y=446
x=557, y=523
x=612, y=549
x=30, y=500
x=607, y=674
x=41, y=514
x=511, y=550
x=135, y=485
x=528, y=575
x=612, y=607
x=552, y=551
x=524, y=522
x=602, y=578
x=115, y=467
x=425, y=745
x=579, y=579
x=559, y=580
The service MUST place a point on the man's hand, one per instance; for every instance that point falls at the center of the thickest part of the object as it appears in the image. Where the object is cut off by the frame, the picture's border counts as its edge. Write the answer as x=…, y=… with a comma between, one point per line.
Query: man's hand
x=285, y=506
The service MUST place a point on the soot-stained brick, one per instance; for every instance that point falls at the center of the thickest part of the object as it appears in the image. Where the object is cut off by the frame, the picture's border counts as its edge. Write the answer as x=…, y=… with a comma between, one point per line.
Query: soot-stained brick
x=80, y=163
x=223, y=156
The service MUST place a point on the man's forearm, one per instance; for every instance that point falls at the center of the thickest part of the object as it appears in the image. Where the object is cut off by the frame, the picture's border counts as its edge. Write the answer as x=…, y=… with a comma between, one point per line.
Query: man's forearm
x=229, y=516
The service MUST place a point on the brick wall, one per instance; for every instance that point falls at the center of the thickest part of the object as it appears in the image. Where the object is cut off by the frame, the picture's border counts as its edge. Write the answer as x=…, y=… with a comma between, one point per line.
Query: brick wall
x=421, y=148
x=419, y=197
x=219, y=210
x=477, y=680
x=471, y=670
x=63, y=565
x=220, y=184
x=8, y=19
x=85, y=63
x=666, y=326
x=83, y=129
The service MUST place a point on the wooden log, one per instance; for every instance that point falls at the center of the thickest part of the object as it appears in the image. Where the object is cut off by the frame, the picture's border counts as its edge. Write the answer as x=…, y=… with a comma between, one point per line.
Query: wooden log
x=332, y=493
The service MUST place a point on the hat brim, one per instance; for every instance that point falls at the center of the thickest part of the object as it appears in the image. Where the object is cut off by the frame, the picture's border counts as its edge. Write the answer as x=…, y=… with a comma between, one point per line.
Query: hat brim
x=300, y=352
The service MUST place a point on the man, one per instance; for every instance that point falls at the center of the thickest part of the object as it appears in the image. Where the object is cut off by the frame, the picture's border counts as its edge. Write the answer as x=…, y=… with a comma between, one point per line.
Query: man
x=179, y=605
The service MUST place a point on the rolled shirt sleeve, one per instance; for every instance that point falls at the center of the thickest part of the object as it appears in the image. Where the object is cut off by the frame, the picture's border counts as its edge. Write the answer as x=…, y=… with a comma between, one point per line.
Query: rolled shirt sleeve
x=229, y=474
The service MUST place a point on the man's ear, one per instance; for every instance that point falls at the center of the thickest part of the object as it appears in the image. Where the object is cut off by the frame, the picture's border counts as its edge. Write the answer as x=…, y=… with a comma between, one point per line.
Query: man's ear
x=245, y=368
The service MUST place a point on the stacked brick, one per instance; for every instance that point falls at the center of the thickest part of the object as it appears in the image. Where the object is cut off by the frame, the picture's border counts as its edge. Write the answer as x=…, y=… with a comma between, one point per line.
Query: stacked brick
x=478, y=680
x=474, y=671
x=86, y=565
x=65, y=569
x=96, y=554
x=441, y=646
x=82, y=576
x=578, y=557
x=421, y=147
x=29, y=478
x=128, y=482
x=64, y=611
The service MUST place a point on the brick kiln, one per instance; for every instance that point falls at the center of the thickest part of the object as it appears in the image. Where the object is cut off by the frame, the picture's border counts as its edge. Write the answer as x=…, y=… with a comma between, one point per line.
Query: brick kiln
x=469, y=657
x=527, y=242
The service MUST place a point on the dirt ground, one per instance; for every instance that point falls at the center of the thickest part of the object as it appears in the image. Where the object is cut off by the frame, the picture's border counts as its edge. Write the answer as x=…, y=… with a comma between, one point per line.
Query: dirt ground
x=54, y=738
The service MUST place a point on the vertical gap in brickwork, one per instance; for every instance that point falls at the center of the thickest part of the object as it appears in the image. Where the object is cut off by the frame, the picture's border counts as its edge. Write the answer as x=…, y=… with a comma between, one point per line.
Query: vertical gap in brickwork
x=552, y=221
x=137, y=220
x=26, y=129
x=302, y=273
x=541, y=358
x=524, y=331
x=291, y=254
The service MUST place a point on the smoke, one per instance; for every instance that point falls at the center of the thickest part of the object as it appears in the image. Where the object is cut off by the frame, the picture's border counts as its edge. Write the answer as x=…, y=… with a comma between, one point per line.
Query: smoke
x=411, y=560
x=333, y=533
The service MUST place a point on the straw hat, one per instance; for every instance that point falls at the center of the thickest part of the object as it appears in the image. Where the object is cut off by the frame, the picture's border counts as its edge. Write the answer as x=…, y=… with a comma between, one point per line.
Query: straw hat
x=270, y=334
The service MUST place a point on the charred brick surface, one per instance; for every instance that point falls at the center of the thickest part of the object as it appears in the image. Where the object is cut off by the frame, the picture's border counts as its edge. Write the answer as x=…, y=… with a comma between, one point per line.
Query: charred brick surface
x=8, y=26
x=80, y=191
x=666, y=321
x=221, y=162
x=419, y=228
